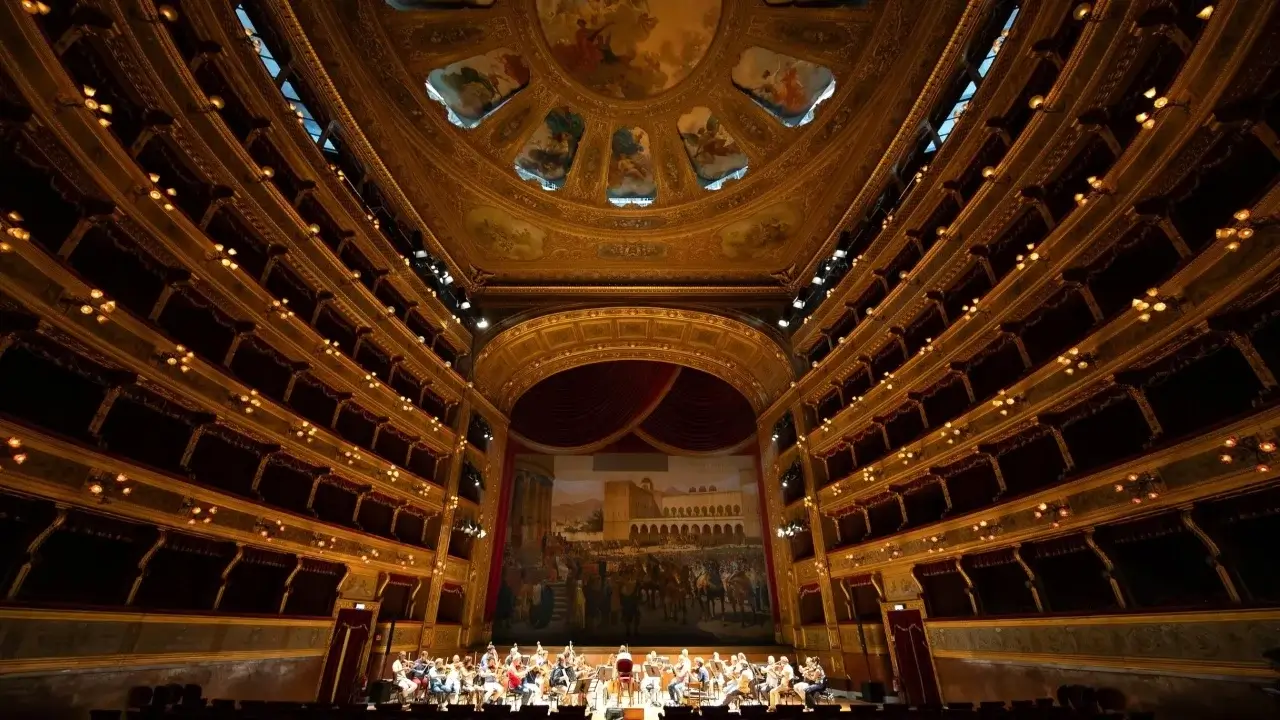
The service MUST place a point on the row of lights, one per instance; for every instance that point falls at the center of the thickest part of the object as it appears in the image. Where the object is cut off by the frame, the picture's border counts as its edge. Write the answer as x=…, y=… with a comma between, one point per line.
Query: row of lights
x=790, y=529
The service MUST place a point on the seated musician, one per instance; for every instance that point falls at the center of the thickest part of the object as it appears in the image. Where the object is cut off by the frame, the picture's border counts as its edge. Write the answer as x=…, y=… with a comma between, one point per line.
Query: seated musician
x=814, y=682
x=623, y=653
x=531, y=687
x=453, y=679
x=715, y=675
x=769, y=680
x=700, y=672
x=681, y=681
x=785, y=675
x=742, y=689
x=652, y=681
x=562, y=680
x=490, y=688
x=401, y=667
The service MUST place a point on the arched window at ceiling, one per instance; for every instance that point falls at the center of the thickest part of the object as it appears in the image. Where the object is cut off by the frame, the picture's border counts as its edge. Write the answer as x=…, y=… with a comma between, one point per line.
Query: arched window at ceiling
x=631, y=179
x=789, y=88
x=715, y=156
x=283, y=80
x=472, y=89
x=547, y=156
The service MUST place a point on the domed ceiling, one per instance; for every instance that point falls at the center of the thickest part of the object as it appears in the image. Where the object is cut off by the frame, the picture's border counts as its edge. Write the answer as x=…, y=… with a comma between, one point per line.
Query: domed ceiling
x=630, y=142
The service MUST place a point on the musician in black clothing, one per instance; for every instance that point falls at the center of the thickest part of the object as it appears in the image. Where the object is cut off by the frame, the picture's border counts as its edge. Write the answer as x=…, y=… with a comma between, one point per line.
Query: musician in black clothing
x=562, y=680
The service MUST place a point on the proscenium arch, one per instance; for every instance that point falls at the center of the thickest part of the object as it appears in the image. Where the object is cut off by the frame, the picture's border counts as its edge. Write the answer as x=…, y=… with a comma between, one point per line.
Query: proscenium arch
x=523, y=355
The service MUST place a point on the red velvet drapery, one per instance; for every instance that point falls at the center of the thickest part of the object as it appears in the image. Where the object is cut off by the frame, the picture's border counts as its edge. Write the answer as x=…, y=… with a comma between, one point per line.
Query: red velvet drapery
x=678, y=410
x=701, y=413
x=589, y=403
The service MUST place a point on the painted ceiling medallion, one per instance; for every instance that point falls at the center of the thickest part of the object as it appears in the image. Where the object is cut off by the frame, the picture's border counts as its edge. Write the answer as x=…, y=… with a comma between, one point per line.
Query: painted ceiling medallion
x=629, y=49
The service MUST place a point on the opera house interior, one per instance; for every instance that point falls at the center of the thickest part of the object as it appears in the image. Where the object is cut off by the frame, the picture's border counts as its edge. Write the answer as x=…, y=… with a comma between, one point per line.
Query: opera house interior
x=634, y=359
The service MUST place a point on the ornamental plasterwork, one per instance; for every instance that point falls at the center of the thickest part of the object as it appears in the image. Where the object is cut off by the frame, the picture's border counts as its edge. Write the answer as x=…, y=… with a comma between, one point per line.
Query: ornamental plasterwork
x=375, y=54
x=519, y=357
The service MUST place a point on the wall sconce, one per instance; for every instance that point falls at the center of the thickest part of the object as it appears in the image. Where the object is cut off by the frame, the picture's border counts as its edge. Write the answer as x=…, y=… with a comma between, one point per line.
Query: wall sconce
x=213, y=104
x=1054, y=512
x=196, y=512
x=424, y=489
x=330, y=347
x=371, y=380
x=1158, y=104
x=405, y=559
x=160, y=195
x=105, y=488
x=1153, y=302
x=1249, y=449
x=320, y=543
x=306, y=431
x=96, y=305
x=280, y=308
x=246, y=402
x=1074, y=360
x=471, y=528
x=352, y=455
x=367, y=554
x=1141, y=487
x=1206, y=12
x=937, y=543
x=180, y=358
x=928, y=347
x=891, y=550
x=13, y=446
x=268, y=530
x=791, y=529
x=1040, y=104
x=870, y=474
x=1031, y=257
x=12, y=226
x=31, y=7
x=265, y=174
x=988, y=529
x=1005, y=401
x=393, y=474
x=908, y=456
x=99, y=110
x=971, y=310
x=223, y=256
x=887, y=380
x=951, y=433
x=1242, y=229
x=992, y=175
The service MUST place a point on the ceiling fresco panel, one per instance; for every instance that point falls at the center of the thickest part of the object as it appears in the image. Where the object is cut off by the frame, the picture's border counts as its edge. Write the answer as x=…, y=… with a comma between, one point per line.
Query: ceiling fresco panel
x=628, y=50
x=622, y=67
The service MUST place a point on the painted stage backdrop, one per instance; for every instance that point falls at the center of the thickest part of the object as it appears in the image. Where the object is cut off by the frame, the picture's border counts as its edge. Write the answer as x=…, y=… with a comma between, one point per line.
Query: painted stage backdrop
x=643, y=548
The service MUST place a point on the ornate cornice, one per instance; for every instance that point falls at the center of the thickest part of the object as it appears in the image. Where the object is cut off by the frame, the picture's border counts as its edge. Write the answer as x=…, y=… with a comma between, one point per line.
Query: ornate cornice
x=516, y=359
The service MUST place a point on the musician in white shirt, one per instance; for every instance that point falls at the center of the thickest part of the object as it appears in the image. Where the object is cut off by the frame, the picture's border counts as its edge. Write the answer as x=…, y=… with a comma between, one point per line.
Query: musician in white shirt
x=785, y=675
x=737, y=693
x=815, y=681
x=490, y=689
x=681, y=681
x=623, y=653
x=401, y=670
x=652, y=681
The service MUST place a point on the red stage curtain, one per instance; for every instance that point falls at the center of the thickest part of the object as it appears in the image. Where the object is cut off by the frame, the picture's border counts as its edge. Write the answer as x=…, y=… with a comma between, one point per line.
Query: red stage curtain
x=701, y=413
x=589, y=403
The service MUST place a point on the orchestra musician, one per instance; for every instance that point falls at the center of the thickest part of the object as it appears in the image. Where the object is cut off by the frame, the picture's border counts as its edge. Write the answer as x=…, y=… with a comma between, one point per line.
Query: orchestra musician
x=715, y=675
x=490, y=688
x=531, y=685
x=680, y=683
x=785, y=675
x=768, y=679
x=652, y=682
x=743, y=680
x=401, y=668
x=562, y=680
x=814, y=681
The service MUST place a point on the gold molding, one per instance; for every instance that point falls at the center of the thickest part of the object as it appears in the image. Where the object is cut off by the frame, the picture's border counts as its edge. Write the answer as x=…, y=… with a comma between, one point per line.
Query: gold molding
x=519, y=357
x=1250, y=615
x=81, y=616
x=1119, y=663
x=114, y=662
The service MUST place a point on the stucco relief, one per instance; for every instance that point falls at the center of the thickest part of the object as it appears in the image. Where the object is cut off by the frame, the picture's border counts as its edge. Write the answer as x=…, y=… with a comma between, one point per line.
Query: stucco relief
x=1231, y=639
